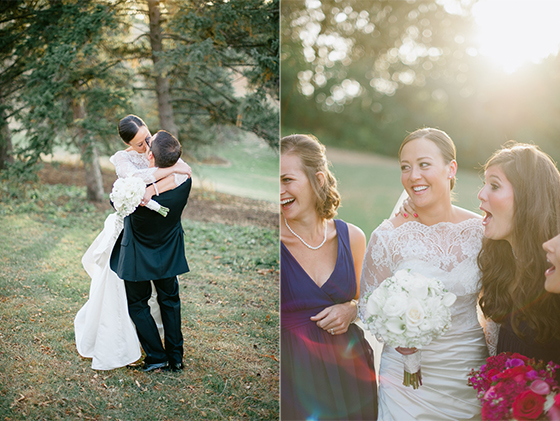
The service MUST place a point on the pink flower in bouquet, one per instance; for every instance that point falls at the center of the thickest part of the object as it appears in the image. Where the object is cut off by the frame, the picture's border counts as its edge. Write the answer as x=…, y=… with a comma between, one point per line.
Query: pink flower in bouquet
x=540, y=387
x=515, y=362
x=528, y=406
x=512, y=386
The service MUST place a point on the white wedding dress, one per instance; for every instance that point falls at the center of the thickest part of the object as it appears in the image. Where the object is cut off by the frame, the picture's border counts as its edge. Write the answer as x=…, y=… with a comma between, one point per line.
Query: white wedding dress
x=103, y=328
x=448, y=252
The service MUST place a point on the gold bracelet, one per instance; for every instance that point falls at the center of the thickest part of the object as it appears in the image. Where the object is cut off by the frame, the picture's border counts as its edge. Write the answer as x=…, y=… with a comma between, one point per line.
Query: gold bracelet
x=356, y=303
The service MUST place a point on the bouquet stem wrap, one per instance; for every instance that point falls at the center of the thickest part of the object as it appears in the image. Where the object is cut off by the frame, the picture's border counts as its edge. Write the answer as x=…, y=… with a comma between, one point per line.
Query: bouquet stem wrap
x=156, y=207
x=412, y=370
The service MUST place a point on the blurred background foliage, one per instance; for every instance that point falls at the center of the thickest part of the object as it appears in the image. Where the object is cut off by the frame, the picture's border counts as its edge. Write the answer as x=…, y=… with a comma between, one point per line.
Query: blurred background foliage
x=71, y=69
x=361, y=74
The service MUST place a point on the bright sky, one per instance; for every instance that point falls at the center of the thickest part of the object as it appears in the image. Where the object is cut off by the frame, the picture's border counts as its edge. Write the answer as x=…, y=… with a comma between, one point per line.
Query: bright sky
x=513, y=32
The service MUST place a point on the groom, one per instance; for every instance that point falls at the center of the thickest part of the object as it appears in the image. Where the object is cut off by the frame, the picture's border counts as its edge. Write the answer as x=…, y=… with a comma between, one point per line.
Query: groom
x=151, y=247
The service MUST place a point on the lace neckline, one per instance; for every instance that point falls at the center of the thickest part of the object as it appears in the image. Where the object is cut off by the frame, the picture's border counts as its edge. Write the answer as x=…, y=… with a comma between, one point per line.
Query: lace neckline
x=468, y=221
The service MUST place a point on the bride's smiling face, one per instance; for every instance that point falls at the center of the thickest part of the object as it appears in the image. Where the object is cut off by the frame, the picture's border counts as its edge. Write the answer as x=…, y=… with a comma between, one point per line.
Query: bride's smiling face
x=424, y=173
x=497, y=203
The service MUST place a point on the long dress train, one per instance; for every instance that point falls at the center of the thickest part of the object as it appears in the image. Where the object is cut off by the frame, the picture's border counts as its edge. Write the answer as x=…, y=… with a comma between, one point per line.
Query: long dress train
x=103, y=328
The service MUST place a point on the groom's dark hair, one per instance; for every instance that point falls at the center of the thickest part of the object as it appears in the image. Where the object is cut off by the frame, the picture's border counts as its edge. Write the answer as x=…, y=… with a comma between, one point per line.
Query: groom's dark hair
x=166, y=149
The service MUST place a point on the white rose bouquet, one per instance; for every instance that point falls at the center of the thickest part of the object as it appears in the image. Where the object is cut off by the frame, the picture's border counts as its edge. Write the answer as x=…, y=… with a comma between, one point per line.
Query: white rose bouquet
x=127, y=194
x=408, y=310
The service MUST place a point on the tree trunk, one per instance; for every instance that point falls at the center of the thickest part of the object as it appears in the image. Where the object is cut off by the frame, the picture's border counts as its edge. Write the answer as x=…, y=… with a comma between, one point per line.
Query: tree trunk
x=90, y=158
x=5, y=139
x=166, y=119
x=94, y=179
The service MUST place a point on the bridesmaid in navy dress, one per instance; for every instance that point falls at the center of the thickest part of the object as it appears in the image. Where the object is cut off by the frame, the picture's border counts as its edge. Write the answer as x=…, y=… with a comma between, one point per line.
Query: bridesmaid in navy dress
x=327, y=369
x=521, y=201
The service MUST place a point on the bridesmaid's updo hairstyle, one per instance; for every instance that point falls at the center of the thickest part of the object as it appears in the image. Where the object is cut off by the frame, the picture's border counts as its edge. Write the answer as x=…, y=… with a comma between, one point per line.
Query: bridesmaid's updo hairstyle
x=313, y=159
x=128, y=127
x=513, y=274
x=442, y=141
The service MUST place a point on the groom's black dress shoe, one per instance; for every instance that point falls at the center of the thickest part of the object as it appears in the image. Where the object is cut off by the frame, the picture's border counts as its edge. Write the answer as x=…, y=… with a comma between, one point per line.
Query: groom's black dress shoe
x=156, y=366
x=176, y=366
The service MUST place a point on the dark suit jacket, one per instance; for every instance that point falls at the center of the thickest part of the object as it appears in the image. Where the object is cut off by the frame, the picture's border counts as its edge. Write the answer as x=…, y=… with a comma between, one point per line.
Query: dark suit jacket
x=152, y=246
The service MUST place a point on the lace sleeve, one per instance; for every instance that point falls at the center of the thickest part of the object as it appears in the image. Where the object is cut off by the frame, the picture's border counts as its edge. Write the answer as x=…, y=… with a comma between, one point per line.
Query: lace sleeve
x=180, y=178
x=128, y=165
x=376, y=267
x=491, y=331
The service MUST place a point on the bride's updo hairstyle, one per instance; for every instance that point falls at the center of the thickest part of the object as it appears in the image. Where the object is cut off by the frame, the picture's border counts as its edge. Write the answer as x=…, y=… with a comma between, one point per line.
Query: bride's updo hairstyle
x=312, y=154
x=128, y=127
x=442, y=141
x=513, y=275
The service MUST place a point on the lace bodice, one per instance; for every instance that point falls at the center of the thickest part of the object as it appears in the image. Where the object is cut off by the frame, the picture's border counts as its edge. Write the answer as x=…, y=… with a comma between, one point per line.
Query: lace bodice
x=132, y=163
x=445, y=251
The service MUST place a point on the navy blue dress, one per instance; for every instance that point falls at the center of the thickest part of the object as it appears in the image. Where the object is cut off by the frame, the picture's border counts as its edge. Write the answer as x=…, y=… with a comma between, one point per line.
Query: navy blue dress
x=323, y=376
x=508, y=341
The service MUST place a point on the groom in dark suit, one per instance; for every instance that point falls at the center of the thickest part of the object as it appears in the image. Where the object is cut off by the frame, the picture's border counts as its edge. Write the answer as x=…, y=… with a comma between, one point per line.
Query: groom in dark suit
x=151, y=247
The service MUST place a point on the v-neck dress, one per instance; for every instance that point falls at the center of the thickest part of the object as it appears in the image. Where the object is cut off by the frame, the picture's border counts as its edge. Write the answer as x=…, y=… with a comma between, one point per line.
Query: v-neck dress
x=323, y=376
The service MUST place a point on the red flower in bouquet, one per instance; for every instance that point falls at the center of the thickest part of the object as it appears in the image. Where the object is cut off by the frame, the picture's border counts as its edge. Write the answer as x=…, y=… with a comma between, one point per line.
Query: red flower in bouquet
x=519, y=373
x=512, y=386
x=528, y=405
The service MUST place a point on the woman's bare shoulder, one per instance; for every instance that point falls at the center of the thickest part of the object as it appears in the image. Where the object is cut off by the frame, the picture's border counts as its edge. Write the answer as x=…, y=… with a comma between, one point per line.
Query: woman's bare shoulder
x=399, y=220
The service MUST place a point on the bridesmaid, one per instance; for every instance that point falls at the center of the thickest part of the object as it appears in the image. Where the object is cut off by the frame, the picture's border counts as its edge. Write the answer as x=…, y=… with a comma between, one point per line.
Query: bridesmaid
x=327, y=369
x=521, y=203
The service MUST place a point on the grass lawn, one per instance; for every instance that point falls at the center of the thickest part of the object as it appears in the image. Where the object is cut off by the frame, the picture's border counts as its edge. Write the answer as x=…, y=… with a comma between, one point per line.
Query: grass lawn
x=371, y=185
x=253, y=171
x=229, y=321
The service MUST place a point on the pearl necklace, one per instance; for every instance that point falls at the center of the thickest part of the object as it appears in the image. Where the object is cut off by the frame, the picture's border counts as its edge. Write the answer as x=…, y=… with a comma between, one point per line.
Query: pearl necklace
x=301, y=239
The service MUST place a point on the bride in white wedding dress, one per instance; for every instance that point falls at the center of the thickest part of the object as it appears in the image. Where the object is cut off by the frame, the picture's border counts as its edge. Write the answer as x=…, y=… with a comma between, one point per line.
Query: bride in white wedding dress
x=103, y=329
x=443, y=243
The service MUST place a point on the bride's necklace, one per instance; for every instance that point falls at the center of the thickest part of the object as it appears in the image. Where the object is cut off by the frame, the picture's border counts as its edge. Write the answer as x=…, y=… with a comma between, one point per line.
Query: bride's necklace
x=303, y=241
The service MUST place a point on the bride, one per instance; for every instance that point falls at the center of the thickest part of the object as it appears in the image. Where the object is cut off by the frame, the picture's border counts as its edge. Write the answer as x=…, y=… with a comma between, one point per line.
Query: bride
x=443, y=243
x=103, y=329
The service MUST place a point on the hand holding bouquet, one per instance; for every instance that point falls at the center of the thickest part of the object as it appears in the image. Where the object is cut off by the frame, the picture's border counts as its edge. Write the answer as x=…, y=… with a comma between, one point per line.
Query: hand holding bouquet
x=126, y=195
x=409, y=310
x=512, y=386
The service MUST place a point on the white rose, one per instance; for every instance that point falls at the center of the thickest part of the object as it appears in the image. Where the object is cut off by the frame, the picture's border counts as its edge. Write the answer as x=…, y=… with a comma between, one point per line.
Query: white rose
x=395, y=306
x=401, y=275
x=414, y=315
x=419, y=290
x=380, y=293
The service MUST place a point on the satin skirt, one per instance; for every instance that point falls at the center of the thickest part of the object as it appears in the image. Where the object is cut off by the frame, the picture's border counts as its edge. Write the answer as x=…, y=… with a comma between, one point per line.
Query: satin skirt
x=444, y=394
x=103, y=329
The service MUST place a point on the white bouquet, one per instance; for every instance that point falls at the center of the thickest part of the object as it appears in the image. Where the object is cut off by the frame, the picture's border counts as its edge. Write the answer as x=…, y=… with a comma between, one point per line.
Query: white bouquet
x=408, y=310
x=126, y=196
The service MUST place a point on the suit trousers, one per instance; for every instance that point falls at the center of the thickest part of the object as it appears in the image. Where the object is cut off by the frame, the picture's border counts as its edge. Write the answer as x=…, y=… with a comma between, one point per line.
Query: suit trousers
x=138, y=293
